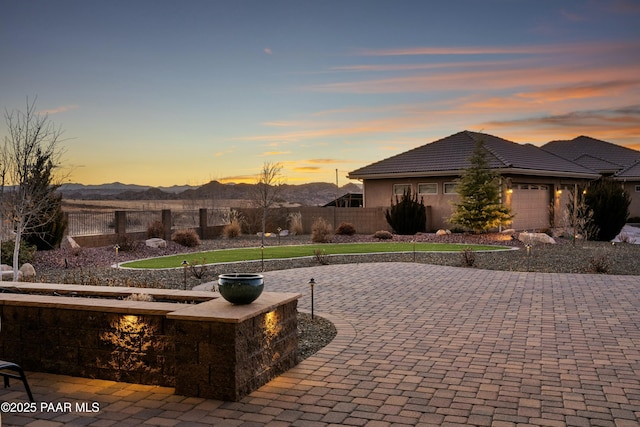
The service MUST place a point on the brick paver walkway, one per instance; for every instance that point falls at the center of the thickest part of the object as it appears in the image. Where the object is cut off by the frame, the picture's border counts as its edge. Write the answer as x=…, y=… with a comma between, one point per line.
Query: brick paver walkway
x=417, y=345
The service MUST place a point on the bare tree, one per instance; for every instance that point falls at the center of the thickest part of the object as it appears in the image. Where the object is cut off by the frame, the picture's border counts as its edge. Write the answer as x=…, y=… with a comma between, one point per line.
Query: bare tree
x=267, y=190
x=29, y=153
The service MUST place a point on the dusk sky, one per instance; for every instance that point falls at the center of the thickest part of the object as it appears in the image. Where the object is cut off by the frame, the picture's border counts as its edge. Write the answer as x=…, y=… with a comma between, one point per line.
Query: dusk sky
x=184, y=92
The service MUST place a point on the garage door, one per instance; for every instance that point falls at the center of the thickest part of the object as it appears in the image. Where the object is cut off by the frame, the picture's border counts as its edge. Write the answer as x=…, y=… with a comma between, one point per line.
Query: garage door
x=530, y=203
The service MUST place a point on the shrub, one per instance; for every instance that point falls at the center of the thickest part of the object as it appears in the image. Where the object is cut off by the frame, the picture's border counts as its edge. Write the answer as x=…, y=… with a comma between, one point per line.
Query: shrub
x=610, y=205
x=320, y=256
x=599, y=264
x=633, y=219
x=26, y=253
x=232, y=230
x=321, y=231
x=346, y=229
x=139, y=297
x=383, y=235
x=468, y=257
x=49, y=234
x=156, y=230
x=407, y=216
x=295, y=223
x=127, y=244
x=188, y=238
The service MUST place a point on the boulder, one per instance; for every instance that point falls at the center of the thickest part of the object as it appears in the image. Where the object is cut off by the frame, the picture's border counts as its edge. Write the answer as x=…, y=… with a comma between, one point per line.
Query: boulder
x=284, y=233
x=28, y=271
x=442, y=232
x=5, y=267
x=69, y=243
x=531, y=238
x=156, y=242
x=7, y=275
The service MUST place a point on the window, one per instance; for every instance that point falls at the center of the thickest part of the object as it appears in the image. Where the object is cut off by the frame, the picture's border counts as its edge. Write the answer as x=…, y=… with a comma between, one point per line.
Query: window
x=430, y=188
x=637, y=188
x=400, y=189
x=450, y=188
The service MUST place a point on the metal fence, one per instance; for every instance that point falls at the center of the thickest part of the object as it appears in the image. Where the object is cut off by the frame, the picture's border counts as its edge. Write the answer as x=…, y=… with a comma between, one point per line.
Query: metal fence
x=90, y=223
x=99, y=223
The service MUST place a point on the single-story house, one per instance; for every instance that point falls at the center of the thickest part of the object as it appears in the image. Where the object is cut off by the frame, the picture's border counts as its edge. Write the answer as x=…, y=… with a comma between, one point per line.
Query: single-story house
x=534, y=181
x=620, y=163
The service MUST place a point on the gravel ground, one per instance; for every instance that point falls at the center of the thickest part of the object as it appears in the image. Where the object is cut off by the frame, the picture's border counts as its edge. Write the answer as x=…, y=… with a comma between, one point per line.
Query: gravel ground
x=93, y=266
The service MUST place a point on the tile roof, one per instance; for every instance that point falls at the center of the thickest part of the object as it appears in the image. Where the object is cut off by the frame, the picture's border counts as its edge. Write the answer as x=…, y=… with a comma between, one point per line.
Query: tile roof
x=630, y=172
x=450, y=155
x=584, y=149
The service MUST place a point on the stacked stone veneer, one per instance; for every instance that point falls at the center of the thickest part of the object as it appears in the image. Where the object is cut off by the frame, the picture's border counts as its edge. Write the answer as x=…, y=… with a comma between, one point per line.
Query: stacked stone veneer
x=212, y=349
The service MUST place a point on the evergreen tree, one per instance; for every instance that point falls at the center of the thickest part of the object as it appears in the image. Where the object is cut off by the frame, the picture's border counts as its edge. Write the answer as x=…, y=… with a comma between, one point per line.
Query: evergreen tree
x=479, y=208
x=407, y=216
x=610, y=205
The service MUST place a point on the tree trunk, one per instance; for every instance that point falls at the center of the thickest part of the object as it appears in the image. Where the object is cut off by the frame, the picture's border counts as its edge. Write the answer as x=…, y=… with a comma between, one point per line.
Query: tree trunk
x=16, y=251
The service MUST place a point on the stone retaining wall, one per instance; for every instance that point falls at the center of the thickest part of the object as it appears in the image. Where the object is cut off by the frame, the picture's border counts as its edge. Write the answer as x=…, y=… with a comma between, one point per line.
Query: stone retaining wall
x=211, y=349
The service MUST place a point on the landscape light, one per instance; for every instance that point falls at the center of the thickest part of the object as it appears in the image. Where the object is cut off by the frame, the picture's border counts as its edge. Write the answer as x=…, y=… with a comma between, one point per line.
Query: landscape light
x=185, y=264
x=312, y=284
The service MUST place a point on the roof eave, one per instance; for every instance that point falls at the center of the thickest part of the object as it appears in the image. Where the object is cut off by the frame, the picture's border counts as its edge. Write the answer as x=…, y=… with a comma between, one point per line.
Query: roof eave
x=458, y=172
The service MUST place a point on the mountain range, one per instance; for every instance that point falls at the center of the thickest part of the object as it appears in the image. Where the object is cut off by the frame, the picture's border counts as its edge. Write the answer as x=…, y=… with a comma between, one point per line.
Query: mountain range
x=310, y=194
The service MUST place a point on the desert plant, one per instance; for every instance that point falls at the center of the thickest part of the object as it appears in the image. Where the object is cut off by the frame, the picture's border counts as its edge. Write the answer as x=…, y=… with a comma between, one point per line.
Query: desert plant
x=156, y=229
x=127, y=243
x=320, y=256
x=321, y=231
x=383, y=235
x=468, y=257
x=407, y=215
x=198, y=270
x=346, y=229
x=232, y=230
x=188, y=238
x=580, y=215
x=139, y=297
x=610, y=204
x=599, y=264
x=295, y=223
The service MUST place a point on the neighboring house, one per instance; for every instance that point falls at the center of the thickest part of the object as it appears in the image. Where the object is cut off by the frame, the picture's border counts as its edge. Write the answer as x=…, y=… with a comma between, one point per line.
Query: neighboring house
x=620, y=163
x=349, y=200
x=534, y=181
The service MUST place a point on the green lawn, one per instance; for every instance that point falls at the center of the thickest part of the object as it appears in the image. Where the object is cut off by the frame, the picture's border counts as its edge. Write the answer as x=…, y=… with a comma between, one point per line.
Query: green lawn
x=273, y=252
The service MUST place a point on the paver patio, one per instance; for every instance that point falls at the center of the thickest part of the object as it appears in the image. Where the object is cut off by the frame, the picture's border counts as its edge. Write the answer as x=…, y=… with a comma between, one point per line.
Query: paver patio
x=417, y=345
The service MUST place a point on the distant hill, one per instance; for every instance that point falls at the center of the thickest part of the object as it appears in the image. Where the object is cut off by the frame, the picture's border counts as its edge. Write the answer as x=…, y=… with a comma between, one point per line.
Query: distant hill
x=312, y=194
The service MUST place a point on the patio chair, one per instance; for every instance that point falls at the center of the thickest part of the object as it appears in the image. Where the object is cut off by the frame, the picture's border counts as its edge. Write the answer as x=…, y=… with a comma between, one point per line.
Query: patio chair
x=11, y=370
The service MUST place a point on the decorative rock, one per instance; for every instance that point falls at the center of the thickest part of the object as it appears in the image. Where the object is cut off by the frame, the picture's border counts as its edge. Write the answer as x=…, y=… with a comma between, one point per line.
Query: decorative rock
x=536, y=238
x=284, y=233
x=442, y=232
x=5, y=267
x=28, y=272
x=509, y=231
x=69, y=243
x=7, y=275
x=156, y=242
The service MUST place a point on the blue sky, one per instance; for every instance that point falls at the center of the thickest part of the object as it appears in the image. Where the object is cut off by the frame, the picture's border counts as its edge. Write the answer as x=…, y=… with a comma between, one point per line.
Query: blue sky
x=183, y=92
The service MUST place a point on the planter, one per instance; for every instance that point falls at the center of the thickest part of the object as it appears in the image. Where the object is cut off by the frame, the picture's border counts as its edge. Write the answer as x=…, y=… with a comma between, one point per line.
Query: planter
x=240, y=288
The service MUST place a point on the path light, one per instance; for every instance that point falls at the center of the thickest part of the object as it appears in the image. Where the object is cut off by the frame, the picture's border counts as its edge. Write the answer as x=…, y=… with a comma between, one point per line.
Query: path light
x=262, y=255
x=528, y=255
x=414, y=250
x=279, y=230
x=185, y=264
x=312, y=283
x=117, y=247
